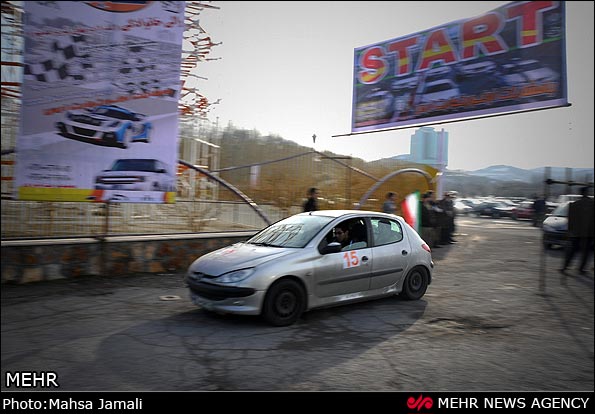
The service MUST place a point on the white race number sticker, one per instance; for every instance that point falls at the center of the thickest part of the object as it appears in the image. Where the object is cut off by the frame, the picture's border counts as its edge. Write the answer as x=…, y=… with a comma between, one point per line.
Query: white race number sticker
x=351, y=259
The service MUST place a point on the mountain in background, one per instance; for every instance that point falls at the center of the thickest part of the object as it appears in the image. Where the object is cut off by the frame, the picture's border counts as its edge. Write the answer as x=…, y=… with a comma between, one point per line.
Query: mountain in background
x=509, y=173
x=504, y=173
x=508, y=181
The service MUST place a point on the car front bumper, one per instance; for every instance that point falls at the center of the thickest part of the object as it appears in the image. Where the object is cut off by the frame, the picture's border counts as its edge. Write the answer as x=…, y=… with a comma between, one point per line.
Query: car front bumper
x=226, y=299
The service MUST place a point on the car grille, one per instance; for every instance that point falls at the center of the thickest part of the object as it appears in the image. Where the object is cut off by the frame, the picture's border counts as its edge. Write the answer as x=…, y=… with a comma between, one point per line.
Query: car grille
x=216, y=292
x=84, y=131
x=120, y=180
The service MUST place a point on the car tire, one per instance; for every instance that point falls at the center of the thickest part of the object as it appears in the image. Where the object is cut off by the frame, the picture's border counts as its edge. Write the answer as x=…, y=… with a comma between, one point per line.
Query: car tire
x=415, y=284
x=284, y=303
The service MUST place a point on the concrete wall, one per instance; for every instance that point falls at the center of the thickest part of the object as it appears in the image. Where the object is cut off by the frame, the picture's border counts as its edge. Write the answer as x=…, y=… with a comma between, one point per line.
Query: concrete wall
x=25, y=261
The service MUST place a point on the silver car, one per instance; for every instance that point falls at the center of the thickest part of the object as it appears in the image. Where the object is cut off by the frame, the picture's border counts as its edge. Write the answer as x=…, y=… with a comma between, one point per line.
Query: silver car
x=297, y=264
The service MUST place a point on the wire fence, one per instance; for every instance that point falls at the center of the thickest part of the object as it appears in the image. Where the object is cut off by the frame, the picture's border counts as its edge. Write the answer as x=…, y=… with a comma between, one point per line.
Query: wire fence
x=38, y=219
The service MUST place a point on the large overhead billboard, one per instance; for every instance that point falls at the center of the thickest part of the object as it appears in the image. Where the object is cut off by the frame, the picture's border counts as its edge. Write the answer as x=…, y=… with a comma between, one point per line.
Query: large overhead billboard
x=99, y=119
x=507, y=60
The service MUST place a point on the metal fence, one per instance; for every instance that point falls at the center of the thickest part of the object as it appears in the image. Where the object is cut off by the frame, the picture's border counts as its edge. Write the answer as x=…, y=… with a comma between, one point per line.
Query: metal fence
x=38, y=219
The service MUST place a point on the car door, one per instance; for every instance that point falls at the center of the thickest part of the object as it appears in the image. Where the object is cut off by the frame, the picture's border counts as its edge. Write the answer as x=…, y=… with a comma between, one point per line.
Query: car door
x=344, y=272
x=390, y=252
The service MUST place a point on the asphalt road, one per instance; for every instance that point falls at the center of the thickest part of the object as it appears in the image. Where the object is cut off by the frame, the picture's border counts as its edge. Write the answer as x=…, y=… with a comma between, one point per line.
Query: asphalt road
x=497, y=317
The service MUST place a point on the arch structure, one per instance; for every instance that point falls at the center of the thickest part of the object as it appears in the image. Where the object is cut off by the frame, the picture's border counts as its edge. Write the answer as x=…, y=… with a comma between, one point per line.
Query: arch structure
x=388, y=176
x=231, y=188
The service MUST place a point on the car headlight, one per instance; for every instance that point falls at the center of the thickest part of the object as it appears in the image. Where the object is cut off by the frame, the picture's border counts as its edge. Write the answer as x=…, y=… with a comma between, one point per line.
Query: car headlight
x=235, y=276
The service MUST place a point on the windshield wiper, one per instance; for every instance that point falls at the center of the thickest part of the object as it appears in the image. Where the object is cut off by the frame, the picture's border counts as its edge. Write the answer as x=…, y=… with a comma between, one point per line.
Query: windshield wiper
x=265, y=244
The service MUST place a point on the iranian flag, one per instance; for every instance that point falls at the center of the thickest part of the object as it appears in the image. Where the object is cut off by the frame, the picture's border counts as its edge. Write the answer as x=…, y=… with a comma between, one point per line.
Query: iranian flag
x=410, y=207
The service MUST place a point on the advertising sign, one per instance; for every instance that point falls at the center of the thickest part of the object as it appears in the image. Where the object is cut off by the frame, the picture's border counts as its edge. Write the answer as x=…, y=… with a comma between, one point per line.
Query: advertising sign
x=99, y=119
x=507, y=60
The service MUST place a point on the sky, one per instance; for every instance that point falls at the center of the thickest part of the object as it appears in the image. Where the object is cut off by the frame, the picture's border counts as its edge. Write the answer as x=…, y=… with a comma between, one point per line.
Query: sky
x=286, y=69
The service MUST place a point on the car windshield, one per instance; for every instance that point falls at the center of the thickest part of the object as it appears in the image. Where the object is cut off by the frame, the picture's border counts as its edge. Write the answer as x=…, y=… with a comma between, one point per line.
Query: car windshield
x=561, y=210
x=112, y=113
x=134, y=165
x=439, y=87
x=530, y=65
x=295, y=231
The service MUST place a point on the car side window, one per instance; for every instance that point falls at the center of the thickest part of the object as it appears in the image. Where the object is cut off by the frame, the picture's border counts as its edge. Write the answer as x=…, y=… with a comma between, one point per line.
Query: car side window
x=386, y=231
x=352, y=234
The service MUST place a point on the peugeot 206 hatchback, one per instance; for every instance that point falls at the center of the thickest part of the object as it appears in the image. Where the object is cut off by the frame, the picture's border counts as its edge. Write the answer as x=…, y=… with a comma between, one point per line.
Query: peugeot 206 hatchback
x=312, y=260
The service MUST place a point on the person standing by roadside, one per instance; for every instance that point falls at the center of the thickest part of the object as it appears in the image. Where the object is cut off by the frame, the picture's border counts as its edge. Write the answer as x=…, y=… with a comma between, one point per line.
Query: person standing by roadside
x=448, y=223
x=437, y=214
x=428, y=221
x=538, y=211
x=580, y=230
x=311, y=203
x=389, y=205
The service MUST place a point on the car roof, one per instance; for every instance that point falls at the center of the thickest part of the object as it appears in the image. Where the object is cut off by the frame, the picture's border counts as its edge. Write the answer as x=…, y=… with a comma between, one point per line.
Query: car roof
x=346, y=213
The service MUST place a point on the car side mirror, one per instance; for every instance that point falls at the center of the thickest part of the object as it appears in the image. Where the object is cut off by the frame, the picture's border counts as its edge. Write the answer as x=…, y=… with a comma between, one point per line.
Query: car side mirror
x=333, y=247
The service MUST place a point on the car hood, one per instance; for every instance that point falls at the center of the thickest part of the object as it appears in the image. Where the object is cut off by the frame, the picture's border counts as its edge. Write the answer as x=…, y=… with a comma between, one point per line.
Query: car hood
x=92, y=119
x=238, y=256
x=556, y=222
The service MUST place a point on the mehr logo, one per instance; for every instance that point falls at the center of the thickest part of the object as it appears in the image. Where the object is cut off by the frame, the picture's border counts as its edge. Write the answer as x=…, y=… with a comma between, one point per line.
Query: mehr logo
x=420, y=402
x=119, y=6
x=31, y=379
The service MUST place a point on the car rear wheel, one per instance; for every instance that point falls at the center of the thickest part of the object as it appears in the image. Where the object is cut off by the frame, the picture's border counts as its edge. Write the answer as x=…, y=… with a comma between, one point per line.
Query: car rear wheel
x=416, y=283
x=284, y=303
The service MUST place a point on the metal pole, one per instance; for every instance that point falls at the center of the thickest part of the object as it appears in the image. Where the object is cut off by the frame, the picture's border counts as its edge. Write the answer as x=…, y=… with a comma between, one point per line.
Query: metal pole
x=546, y=178
x=349, y=203
x=107, y=213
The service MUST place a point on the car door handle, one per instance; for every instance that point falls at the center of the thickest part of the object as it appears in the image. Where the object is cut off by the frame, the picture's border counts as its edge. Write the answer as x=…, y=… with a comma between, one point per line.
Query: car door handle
x=404, y=252
x=365, y=259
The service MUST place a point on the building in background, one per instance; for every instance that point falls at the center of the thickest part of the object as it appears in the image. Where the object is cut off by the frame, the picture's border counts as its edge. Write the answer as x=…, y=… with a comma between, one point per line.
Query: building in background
x=429, y=147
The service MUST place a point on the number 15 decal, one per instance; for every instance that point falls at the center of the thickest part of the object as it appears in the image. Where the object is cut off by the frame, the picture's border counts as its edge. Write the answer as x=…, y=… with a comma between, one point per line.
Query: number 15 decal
x=350, y=259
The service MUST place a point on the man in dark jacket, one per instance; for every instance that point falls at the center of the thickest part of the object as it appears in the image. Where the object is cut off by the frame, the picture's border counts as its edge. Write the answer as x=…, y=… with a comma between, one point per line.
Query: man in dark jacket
x=311, y=203
x=428, y=221
x=580, y=229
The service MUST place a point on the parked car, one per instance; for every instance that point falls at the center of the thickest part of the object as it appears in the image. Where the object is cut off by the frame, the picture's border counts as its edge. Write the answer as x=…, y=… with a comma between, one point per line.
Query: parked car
x=439, y=90
x=408, y=84
x=439, y=73
x=477, y=77
x=493, y=209
x=534, y=71
x=563, y=198
x=403, y=90
x=137, y=175
x=377, y=105
x=523, y=211
x=476, y=69
x=511, y=75
x=462, y=208
x=108, y=125
x=295, y=265
x=555, y=227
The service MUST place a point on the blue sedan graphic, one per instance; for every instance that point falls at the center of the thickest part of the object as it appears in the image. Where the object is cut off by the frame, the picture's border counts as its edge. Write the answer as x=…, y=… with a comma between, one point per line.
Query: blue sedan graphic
x=107, y=125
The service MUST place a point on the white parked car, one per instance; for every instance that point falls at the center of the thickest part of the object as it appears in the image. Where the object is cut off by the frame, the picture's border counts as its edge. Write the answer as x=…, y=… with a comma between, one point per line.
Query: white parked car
x=534, y=71
x=137, y=175
x=438, y=91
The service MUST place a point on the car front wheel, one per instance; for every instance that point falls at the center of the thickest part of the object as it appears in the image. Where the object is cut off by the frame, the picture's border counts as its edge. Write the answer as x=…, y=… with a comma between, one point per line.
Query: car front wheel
x=416, y=283
x=284, y=303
